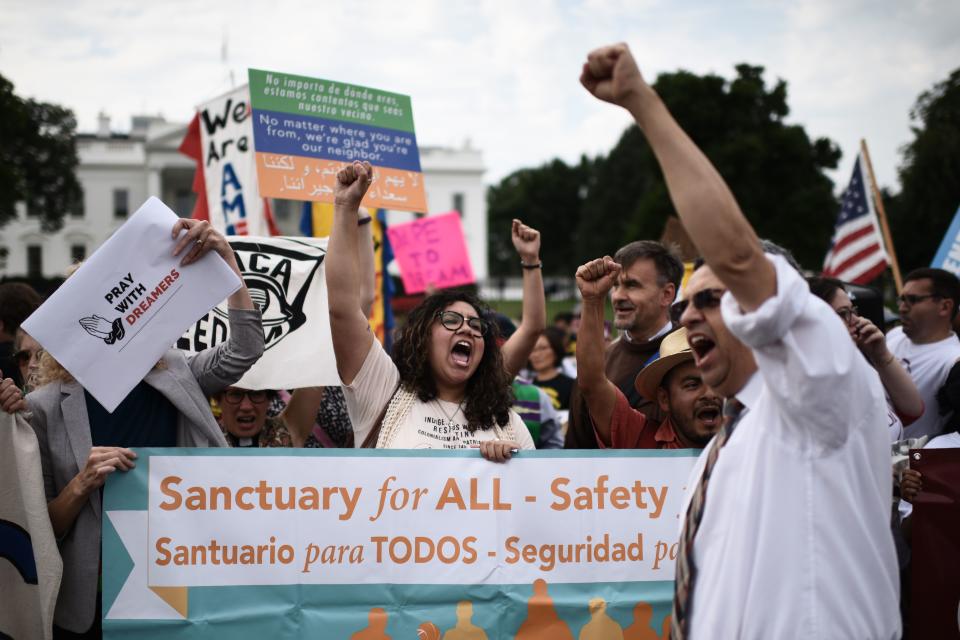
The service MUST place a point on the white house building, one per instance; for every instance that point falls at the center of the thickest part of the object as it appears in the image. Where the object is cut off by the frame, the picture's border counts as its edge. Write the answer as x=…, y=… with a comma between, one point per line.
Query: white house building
x=119, y=171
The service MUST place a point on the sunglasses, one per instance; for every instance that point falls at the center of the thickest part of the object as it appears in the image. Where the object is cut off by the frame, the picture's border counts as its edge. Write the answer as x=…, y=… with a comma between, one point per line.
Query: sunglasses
x=910, y=299
x=235, y=396
x=24, y=357
x=704, y=299
x=452, y=321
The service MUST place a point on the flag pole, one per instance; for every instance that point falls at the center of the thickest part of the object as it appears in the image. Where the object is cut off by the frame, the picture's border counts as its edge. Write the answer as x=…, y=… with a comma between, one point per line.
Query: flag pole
x=882, y=215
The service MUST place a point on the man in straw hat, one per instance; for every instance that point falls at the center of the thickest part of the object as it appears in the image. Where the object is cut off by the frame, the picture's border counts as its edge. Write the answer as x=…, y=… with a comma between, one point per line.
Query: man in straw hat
x=691, y=408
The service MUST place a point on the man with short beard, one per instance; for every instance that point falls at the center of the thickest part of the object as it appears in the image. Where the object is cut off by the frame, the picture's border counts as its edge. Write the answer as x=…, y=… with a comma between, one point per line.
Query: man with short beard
x=691, y=408
x=641, y=295
x=925, y=344
x=785, y=526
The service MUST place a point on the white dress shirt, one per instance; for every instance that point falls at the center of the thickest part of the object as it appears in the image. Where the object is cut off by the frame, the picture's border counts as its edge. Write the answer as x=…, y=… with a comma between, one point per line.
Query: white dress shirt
x=795, y=538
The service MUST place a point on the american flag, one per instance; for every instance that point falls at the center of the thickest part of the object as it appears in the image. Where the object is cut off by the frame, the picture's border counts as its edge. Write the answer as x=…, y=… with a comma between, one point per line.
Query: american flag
x=856, y=252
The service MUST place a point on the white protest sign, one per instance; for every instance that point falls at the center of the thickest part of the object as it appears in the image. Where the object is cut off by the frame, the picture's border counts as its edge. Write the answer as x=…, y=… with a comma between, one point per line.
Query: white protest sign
x=113, y=319
x=229, y=166
x=410, y=520
x=286, y=280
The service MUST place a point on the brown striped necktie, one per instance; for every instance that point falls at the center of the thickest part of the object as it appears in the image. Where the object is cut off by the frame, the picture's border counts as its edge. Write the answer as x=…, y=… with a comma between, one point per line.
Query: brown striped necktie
x=733, y=410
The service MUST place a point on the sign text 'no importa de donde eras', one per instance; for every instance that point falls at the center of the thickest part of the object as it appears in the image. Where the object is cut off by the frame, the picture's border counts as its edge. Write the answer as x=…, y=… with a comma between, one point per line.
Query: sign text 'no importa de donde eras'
x=339, y=534
x=306, y=129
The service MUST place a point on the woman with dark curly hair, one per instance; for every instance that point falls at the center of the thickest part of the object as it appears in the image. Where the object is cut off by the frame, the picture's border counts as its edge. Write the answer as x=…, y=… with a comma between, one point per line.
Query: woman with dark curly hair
x=446, y=386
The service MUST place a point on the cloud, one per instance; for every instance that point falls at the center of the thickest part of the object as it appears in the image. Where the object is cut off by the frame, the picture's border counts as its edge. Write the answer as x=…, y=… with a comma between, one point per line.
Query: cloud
x=502, y=74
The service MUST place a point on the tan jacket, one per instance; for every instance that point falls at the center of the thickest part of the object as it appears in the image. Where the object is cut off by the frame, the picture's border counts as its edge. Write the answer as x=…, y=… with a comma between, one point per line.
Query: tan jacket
x=59, y=418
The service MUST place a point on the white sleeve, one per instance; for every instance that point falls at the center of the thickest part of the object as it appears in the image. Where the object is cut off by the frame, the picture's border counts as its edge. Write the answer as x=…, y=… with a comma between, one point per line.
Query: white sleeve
x=822, y=385
x=370, y=391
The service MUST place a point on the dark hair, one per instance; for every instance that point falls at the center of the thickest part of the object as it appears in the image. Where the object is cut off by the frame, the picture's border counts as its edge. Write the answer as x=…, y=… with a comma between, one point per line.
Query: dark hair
x=825, y=288
x=555, y=338
x=665, y=261
x=563, y=316
x=942, y=283
x=488, y=397
x=17, y=301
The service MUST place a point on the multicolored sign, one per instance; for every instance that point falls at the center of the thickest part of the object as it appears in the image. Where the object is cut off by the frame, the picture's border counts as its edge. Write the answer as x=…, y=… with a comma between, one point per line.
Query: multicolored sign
x=306, y=129
x=334, y=543
x=431, y=252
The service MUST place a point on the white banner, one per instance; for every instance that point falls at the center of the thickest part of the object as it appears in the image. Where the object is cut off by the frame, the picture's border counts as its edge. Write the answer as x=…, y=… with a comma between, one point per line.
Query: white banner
x=286, y=280
x=113, y=319
x=229, y=166
x=414, y=520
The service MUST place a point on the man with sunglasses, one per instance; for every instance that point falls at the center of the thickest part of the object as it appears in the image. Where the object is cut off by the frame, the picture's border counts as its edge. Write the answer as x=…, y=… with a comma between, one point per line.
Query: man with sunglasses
x=925, y=343
x=785, y=526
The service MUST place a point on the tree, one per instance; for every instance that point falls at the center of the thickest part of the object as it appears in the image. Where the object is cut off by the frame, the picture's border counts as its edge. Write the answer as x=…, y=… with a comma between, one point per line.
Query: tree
x=38, y=159
x=774, y=169
x=548, y=198
x=929, y=176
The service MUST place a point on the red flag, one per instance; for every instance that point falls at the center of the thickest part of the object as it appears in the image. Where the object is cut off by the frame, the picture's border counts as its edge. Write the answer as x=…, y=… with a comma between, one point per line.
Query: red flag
x=192, y=148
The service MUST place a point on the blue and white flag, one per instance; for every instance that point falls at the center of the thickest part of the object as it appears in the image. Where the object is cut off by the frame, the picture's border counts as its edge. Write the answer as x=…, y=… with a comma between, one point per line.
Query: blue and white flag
x=948, y=255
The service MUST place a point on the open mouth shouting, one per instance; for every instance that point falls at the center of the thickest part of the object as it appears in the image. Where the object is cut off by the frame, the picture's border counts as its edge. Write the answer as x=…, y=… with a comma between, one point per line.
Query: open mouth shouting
x=461, y=352
x=709, y=415
x=702, y=346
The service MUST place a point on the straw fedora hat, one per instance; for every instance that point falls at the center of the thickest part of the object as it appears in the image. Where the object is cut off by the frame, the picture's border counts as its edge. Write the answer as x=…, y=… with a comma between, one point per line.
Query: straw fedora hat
x=674, y=350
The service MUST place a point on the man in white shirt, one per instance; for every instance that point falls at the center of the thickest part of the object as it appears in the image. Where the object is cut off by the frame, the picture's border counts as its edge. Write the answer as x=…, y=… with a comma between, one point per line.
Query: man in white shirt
x=786, y=529
x=925, y=344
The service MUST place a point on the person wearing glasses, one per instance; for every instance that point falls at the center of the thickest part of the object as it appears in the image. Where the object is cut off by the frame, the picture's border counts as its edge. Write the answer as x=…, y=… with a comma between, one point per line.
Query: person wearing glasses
x=17, y=301
x=925, y=343
x=26, y=353
x=904, y=404
x=785, y=523
x=81, y=443
x=245, y=421
x=447, y=386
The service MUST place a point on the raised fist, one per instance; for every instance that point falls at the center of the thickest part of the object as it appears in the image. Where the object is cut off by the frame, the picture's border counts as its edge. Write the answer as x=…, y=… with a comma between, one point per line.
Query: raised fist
x=597, y=277
x=526, y=240
x=352, y=183
x=611, y=74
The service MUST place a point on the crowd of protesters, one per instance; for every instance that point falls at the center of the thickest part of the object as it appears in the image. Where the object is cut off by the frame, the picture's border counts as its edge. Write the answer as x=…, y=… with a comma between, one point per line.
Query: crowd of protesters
x=783, y=385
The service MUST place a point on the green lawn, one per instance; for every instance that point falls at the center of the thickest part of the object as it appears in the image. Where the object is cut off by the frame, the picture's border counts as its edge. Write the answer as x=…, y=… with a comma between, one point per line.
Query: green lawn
x=511, y=308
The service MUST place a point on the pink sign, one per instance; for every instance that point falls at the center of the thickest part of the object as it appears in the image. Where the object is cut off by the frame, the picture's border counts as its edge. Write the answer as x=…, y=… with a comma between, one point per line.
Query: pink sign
x=431, y=252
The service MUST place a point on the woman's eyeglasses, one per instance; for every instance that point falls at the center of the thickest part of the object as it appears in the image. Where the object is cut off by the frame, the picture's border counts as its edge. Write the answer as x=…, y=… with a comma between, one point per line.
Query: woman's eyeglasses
x=235, y=396
x=847, y=314
x=703, y=299
x=452, y=321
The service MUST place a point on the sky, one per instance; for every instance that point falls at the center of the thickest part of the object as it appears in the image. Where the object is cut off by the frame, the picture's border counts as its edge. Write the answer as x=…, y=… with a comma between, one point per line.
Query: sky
x=501, y=75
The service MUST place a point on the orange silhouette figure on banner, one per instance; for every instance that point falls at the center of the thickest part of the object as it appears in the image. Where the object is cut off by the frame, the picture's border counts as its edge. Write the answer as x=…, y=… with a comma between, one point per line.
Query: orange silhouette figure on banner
x=542, y=621
x=376, y=628
x=641, y=628
x=465, y=629
x=428, y=631
x=601, y=626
